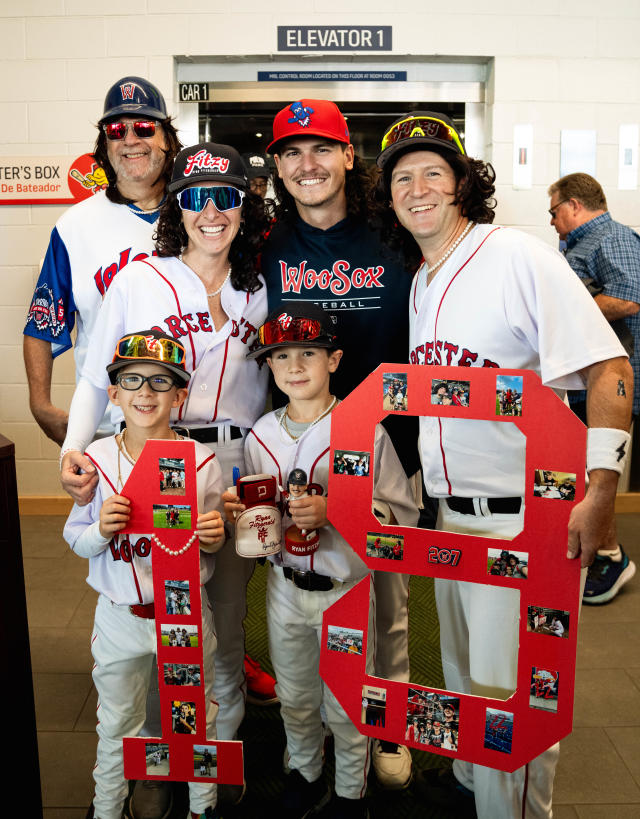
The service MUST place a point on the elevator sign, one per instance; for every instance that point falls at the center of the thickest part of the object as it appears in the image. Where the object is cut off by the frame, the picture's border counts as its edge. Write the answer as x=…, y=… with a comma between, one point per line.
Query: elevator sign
x=334, y=38
x=193, y=91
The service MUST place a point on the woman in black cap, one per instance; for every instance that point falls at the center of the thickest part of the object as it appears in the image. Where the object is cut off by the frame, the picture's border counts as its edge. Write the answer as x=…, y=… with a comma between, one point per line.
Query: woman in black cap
x=201, y=288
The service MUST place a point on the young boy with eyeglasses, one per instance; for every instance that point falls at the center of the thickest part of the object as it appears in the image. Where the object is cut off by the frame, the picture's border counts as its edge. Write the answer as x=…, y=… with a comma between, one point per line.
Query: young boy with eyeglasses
x=148, y=378
x=302, y=352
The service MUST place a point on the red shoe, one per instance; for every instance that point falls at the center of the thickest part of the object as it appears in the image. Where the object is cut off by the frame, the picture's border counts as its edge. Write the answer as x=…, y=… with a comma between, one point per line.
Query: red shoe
x=260, y=685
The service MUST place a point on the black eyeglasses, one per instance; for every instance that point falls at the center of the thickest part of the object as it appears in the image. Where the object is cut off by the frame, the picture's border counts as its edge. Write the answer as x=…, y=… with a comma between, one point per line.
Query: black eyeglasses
x=552, y=211
x=133, y=381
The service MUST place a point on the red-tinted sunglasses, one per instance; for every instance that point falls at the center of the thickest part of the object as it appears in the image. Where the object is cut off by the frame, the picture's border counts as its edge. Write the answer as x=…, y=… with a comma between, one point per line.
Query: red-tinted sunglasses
x=144, y=129
x=291, y=330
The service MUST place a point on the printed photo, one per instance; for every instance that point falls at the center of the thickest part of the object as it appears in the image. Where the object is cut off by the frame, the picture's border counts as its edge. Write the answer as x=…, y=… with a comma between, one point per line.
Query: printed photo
x=177, y=597
x=171, y=476
x=554, y=622
x=171, y=516
x=175, y=636
x=351, y=463
x=374, y=706
x=498, y=730
x=450, y=393
x=205, y=760
x=183, y=717
x=509, y=395
x=544, y=689
x=345, y=640
x=388, y=547
x=157, y=757
x=503, y=563
x=394, y=398
x=558, y=485
x=181, y=674
x=432, y=719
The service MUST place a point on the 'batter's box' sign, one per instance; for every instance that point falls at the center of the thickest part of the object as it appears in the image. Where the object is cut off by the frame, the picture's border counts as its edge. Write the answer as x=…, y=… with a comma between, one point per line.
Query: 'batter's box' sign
x=499, y=733
x=334, y=38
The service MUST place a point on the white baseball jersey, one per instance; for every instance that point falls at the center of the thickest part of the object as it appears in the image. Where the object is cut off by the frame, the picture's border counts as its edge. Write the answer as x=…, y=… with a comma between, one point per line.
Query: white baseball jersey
x=90, y=244
x=165, y=293
x=270, y=449
x=500, y=300
x=124, y=575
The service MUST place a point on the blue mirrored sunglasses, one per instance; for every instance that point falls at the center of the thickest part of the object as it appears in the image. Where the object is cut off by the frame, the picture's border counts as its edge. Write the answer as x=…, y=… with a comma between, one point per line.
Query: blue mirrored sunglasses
x=223, y=198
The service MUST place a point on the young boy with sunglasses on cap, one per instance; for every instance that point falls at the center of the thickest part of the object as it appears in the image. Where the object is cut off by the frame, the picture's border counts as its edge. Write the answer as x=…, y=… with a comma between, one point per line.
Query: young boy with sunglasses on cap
x=302, y=352
x=148, y=378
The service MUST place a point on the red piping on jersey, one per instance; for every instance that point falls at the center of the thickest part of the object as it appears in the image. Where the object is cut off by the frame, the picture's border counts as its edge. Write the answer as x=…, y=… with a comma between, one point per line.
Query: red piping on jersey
x=224, y=365
x=175, y=295
x=102, y=472
x=206, y=461
x=264, y=446
x=313, y=466
x=524, y=791
x=435, y=336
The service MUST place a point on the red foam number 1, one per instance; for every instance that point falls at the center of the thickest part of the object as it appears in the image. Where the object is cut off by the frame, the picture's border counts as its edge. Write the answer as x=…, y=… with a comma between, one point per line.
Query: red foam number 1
x=183, y=752
x=502, y=734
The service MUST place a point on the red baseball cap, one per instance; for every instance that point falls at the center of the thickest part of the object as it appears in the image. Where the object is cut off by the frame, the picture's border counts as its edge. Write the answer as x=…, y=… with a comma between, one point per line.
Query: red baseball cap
x=309, y=118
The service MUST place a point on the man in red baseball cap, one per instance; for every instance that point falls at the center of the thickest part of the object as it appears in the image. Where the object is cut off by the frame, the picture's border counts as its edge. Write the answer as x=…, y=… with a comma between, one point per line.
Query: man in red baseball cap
x=323, y=249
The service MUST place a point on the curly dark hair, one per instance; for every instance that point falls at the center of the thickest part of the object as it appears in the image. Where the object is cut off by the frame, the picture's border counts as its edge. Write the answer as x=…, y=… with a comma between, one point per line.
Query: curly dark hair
x=171, y=239
x=359, y=182
x=102, y=158
x=475, y=182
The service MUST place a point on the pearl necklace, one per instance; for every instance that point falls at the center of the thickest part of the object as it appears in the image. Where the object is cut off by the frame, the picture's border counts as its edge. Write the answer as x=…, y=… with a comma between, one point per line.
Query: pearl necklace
x=226, y=279
x=138, y=210
x=283, y=419
x=173, y=552
x=451, y=249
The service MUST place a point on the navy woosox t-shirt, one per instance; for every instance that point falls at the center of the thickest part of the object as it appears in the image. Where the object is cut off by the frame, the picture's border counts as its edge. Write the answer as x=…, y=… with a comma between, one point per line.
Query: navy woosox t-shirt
x=347, y=271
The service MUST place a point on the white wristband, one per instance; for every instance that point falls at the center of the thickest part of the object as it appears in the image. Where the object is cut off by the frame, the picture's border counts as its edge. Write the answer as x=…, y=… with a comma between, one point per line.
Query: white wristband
x=607, y=448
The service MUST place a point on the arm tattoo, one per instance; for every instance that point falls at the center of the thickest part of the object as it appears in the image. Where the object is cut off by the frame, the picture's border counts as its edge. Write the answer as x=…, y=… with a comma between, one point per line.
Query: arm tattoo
x=621, y=390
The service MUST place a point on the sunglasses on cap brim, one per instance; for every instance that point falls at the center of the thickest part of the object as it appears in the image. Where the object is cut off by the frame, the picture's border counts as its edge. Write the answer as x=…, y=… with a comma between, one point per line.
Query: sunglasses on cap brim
x=147, y=347
x=295, y=331
x=144, y=129
x=421, y=126
x=223, y=197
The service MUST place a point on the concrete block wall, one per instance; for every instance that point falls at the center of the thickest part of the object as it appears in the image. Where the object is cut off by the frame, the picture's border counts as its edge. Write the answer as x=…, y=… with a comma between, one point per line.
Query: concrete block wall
x=571, y=64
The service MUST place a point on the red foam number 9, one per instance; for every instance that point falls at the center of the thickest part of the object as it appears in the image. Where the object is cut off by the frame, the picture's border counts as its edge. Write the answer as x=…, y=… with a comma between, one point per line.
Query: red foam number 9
x=503, y=734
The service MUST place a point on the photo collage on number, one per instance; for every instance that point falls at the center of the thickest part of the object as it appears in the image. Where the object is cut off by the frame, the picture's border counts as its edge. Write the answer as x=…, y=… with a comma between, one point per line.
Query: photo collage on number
x=394, y=396
x=205, y=761
x=548, y=483
x=450, y=393
x=172, y=478
x=374, y=706
x=177, y=636
x=345, y=640
x=157, y=758
x=386, y=547
x=181, y=674
x=171, y=516
x=183, y=717
x=544, y=689
x=552, y=622
x=503, y=563
x=346, y=462
x=498, y=730
x=509, y=395
x=433, y=720
x=177, y=597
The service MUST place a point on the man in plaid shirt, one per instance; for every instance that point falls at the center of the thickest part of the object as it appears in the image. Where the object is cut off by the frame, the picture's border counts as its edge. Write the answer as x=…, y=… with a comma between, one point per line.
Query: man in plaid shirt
x=608, y=254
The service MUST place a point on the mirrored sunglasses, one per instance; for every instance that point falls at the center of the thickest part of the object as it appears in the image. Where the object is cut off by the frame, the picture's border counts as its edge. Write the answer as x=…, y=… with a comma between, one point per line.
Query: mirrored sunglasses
x=421, y=127
x=144, y=129
x=134, y=381
x=292, y=330
x=148, y=347
x=223, y=198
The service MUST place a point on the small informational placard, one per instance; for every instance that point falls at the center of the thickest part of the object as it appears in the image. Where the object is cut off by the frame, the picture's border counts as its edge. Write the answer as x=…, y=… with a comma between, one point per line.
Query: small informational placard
x=49, y=180
x=332, y=76
x=577, y=152
x=193, y=91
x=334, y=38
x=499, y=733
x=522, y=157
x=628, y=157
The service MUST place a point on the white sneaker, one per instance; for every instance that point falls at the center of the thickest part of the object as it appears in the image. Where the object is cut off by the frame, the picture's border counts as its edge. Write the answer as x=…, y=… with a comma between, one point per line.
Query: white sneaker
x=392, y=764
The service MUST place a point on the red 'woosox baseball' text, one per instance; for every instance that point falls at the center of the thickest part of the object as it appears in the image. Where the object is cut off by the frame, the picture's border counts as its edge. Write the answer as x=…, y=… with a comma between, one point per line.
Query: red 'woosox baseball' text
x=339, y=280
x=448, y=354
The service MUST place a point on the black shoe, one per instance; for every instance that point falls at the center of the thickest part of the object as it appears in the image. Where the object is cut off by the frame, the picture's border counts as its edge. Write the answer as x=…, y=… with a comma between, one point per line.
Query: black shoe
x=342, y=808
x=231, y=794
x=301, y=798
x=151, y=799
x=440, y=787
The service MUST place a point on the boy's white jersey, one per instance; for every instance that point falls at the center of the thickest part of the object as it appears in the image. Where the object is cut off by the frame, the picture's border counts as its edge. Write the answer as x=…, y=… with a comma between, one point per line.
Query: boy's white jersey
x=270, y=449
x=123, y=572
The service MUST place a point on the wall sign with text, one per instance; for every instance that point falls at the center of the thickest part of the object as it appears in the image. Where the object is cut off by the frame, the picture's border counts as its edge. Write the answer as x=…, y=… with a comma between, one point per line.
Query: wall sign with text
x=49, y=180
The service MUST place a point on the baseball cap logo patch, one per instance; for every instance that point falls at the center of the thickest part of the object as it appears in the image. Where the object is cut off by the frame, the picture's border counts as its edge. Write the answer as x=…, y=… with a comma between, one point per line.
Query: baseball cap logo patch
x=127, y=90
x=284, y=320
x=151, y=343
x=203, y=160
x=301, y=115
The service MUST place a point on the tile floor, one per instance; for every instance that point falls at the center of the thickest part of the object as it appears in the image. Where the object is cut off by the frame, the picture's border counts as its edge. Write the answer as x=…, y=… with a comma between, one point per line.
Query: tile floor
x=599, y=770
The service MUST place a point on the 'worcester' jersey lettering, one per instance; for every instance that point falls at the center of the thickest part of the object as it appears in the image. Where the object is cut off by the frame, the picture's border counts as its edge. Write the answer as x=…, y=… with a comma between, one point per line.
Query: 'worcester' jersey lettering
x=447, y=354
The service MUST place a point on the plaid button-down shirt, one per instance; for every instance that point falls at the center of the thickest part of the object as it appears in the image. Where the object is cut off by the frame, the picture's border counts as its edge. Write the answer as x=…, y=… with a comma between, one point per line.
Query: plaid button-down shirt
x=609, y=253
